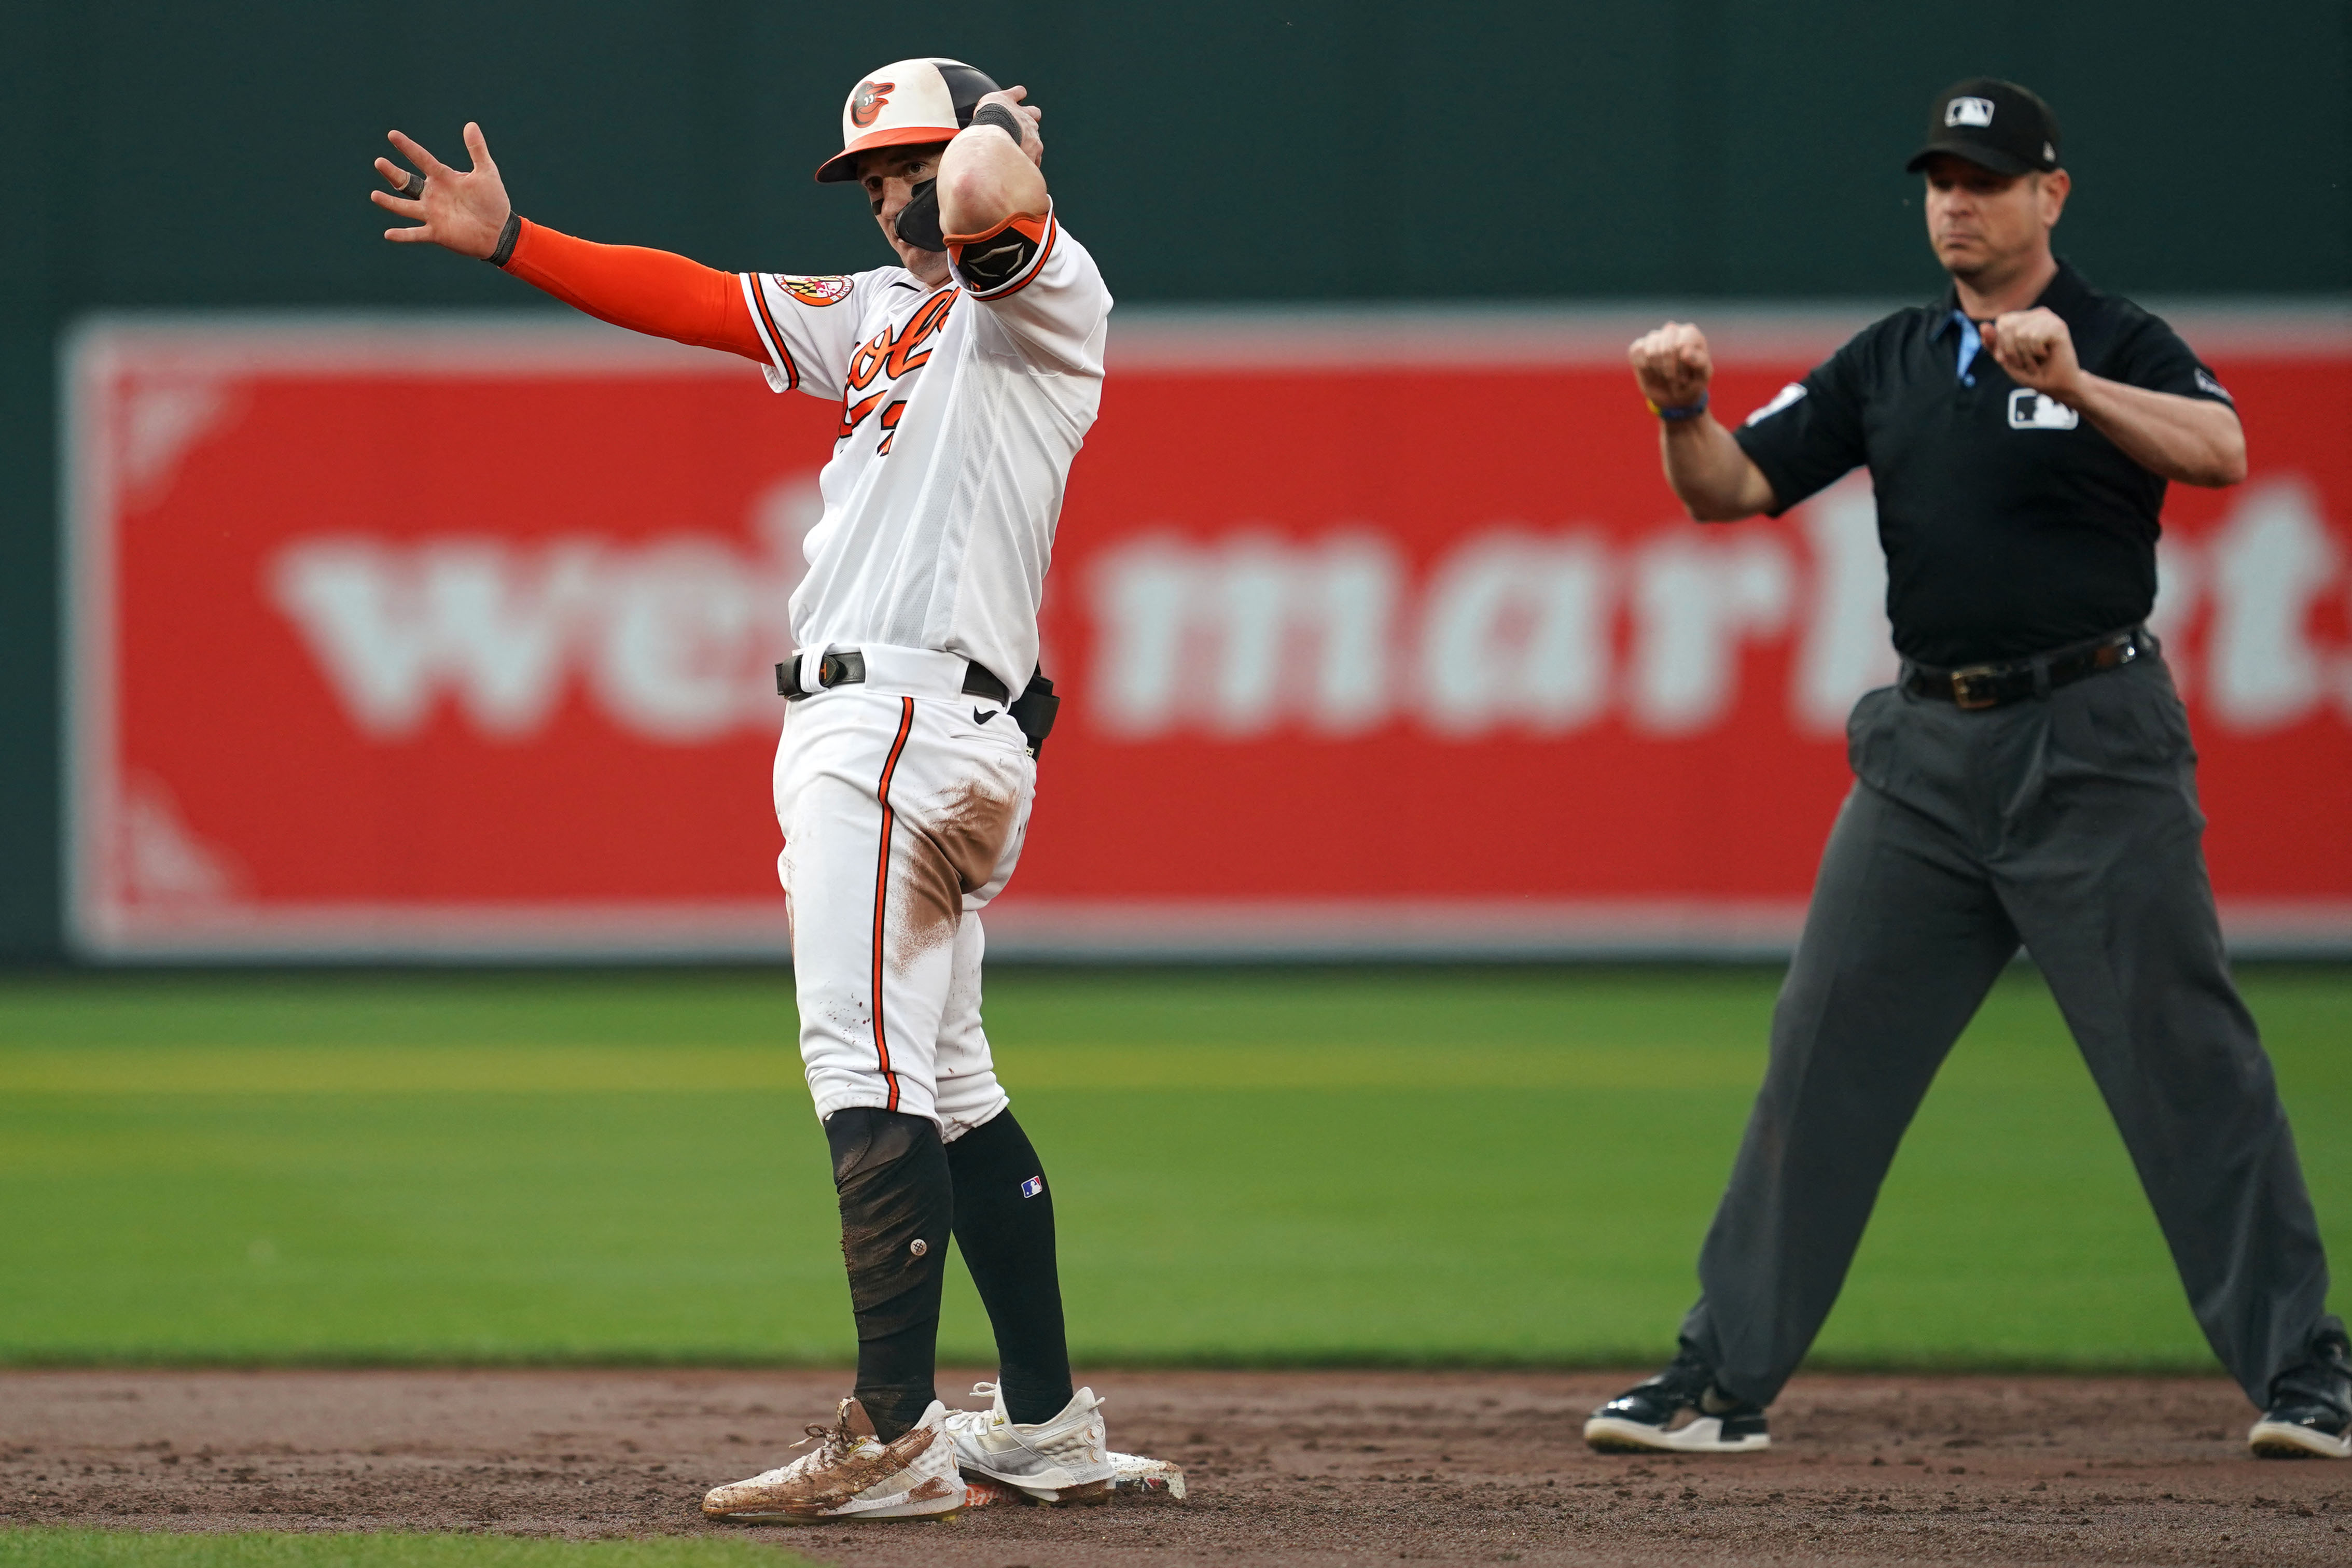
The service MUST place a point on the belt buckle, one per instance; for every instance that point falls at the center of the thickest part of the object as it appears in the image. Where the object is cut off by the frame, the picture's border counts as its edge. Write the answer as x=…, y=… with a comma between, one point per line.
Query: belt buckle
x=830, y=669
x=1972, y=687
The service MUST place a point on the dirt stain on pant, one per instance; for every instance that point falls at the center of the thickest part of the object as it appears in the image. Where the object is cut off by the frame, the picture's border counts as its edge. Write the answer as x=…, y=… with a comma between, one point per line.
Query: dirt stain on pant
x=954, y=850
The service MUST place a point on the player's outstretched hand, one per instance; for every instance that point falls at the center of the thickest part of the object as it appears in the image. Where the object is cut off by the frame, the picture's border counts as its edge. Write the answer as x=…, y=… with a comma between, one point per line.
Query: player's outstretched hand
x=464, y=212
x=1671, y=365
x=1031, y=141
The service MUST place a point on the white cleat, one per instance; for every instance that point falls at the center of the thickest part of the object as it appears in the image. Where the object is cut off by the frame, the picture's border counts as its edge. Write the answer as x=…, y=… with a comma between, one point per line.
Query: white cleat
x=1133, y=1475
x=851, y=1474
x=1064, y=1460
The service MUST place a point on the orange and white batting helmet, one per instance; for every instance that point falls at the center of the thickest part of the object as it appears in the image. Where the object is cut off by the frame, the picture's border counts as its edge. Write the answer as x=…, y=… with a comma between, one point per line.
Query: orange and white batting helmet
x=904, y=104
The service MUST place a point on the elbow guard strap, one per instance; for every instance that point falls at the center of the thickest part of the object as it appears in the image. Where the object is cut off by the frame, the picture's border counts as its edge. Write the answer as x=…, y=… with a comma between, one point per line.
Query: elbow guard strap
x=1004, y=259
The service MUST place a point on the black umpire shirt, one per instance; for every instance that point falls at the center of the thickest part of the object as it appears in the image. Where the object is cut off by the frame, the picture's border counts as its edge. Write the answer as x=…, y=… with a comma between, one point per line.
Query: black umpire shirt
x=2011, y=526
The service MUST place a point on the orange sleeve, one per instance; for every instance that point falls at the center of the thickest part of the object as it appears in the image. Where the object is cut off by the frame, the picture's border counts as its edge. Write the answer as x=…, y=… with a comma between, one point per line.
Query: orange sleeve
x=651, y=291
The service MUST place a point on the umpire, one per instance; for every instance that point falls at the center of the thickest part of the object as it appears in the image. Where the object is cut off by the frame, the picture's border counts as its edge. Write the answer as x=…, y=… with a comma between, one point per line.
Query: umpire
x=2029, y=780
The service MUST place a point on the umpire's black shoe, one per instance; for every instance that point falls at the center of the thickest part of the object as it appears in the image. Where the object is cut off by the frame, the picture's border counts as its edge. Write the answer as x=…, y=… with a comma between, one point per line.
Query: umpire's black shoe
x=2311, y=1406
x=1680, y=1411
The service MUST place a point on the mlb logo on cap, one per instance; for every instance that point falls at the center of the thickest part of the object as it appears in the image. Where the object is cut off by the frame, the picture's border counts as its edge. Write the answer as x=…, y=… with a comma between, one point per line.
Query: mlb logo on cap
x=1033, y=1186
x=1994, y=124
x=905, y=104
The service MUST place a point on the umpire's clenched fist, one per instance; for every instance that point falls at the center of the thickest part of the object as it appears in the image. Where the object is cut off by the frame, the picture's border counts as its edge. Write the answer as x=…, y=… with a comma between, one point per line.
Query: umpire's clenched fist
x=1671, y=364
x=2037, y=351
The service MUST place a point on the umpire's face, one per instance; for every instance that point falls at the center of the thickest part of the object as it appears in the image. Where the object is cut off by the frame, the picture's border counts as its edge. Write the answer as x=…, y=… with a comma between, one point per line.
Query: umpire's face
x=1985, y=225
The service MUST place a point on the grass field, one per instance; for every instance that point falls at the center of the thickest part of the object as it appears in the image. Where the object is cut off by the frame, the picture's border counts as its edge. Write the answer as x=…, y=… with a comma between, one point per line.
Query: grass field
x=1269, y=1166
x=123, y=1549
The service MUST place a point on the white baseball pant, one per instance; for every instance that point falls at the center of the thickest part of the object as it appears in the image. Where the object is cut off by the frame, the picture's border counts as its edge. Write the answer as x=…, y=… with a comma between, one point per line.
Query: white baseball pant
x=903, y=802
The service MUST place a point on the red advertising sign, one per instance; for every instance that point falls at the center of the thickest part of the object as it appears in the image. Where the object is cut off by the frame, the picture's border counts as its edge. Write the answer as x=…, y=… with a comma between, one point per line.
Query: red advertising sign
x=1377, y=633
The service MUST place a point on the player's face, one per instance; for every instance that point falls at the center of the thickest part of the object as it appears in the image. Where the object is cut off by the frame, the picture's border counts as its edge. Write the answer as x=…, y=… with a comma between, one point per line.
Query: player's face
x=1981, y=223
x=888, y=176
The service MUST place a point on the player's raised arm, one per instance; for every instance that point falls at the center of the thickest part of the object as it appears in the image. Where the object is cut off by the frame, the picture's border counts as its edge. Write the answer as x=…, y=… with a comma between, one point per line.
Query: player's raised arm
x=1715, y=481
x=649, y=291
x=992, y=171
x=467, y=213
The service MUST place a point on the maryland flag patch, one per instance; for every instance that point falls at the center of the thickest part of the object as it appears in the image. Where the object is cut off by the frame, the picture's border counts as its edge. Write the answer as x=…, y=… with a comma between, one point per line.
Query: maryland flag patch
x=814, y=290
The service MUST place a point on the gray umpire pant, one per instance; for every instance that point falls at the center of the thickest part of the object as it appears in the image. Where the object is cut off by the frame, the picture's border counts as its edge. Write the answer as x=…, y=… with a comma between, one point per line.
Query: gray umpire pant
x=2069, y=823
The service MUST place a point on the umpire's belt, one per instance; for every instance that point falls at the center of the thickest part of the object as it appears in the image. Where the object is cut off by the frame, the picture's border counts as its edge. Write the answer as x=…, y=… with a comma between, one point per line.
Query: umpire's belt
x=1991, y=685
x=897, y=672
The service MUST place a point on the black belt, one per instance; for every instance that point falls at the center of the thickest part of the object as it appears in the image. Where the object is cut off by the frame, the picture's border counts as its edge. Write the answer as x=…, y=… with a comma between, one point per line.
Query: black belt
x=846, y=667
x=1992, y=685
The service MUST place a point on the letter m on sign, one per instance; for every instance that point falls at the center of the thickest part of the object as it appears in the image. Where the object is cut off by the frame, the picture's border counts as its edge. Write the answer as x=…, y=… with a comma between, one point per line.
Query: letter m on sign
x=1238, y=636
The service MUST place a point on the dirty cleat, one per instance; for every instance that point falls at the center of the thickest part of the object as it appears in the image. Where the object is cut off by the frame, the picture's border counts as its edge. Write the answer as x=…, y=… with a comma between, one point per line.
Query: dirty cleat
x=1064, y=1460
x=1133, y=1476
x=851, y=1474
x=1680, y=1411
x=2310, y=1416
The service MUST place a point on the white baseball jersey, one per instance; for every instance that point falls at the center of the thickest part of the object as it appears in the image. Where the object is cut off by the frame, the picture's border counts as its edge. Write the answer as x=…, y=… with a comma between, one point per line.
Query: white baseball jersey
x=961, y=410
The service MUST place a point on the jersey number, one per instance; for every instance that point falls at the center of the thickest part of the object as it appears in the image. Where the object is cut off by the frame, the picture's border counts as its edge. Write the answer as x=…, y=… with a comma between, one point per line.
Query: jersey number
x=908, y=348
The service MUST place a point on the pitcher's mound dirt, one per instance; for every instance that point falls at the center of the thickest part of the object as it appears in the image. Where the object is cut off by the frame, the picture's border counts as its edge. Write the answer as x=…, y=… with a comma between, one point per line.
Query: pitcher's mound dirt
x=1286, y=1467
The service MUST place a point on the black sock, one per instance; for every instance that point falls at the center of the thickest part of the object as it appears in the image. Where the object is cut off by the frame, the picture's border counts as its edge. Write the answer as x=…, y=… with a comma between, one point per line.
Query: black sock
x=1004, y=1227
x=896, y=1202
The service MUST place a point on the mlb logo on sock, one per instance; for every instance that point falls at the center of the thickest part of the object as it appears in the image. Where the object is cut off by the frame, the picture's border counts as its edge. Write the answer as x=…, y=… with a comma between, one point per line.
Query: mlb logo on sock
x=1033, y=1186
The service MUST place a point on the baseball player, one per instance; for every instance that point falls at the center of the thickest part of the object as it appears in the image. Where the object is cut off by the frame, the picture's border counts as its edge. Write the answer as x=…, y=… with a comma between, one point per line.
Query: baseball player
x=2029, y=780
x=967, y=374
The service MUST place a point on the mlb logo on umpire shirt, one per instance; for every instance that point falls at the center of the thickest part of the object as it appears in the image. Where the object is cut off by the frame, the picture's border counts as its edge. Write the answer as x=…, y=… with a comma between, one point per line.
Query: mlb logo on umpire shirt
x=1033, y=1186
x=2028, y=409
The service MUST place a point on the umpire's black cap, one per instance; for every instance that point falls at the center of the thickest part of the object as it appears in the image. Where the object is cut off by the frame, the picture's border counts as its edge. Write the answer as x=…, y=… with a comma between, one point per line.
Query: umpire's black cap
x=1995, y=124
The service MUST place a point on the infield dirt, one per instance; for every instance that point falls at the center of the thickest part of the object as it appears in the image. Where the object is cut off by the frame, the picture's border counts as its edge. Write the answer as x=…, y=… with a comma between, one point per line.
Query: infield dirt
x=1286, y=1467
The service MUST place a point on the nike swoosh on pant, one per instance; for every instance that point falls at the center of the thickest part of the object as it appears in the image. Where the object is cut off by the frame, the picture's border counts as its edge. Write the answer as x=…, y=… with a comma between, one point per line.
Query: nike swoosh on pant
x=981, y=715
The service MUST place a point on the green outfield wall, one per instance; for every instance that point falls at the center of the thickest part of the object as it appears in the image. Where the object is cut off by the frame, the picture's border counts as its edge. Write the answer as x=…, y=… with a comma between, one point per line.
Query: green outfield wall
x=181, y=157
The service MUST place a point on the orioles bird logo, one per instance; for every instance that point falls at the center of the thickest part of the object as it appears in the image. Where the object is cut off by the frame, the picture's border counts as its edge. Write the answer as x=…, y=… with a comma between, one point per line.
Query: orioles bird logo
x=867, y=101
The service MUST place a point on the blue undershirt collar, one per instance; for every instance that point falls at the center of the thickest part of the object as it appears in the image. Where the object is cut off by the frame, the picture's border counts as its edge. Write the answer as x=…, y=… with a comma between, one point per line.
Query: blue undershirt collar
x=1971, y=341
